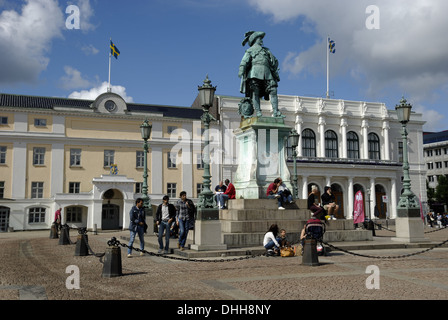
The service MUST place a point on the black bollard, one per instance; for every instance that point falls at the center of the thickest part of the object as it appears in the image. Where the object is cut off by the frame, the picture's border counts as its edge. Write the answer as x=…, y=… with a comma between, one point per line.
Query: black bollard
x=54, y=231
x=65, y=235
x=112, y=262
x=81, y=245
x=310, y=257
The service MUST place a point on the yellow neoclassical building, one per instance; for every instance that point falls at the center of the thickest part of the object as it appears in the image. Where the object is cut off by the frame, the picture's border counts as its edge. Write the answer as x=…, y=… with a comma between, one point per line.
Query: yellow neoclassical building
x=57, y=153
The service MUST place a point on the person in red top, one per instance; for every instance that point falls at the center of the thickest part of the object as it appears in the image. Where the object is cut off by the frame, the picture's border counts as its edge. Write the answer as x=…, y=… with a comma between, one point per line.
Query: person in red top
x=228, y=194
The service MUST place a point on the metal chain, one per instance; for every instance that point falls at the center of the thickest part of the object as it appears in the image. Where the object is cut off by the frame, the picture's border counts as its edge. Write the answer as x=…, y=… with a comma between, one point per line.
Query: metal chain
x=115, y=242
x=386, y=257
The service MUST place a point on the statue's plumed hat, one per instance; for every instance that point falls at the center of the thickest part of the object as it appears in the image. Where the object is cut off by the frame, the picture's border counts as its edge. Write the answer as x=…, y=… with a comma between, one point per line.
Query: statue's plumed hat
x=250, y=37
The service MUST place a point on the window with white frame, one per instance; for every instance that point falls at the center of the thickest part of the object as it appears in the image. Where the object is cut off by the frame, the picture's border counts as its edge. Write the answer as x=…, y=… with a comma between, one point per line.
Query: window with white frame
x=171, y=189
x=75, y=157
x=37, y=190
x=172, y=160
x=38, y=156
x=352, y=145
x=2, y=189
x=36, y=215
x=140, y=159
x=74, y=187
x=40, y=122
x=109, y=158
x=74, y=214
x=2, y=155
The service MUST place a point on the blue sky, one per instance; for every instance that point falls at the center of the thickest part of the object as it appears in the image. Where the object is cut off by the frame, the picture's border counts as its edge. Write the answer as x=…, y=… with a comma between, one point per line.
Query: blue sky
x=169, y=46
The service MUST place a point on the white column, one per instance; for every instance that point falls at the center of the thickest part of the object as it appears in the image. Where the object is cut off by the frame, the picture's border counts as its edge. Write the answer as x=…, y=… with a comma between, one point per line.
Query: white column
x=372, y=198
x=351, y=199
x=304, y=187
x=322, y=137
x=386, y=128
x=299, y=122
x=344, y=137
x=393, y=199
x=365, y=144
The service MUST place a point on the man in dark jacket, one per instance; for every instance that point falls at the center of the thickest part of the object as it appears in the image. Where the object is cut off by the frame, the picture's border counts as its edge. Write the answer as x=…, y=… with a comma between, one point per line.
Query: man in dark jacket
x=165, y=215
x=137, y=222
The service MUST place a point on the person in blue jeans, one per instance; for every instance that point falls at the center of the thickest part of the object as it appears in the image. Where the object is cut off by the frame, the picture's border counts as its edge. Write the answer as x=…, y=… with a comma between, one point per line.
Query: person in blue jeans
x=137, y=222
x=165, y=215
x=185, y=215
x=271, y=239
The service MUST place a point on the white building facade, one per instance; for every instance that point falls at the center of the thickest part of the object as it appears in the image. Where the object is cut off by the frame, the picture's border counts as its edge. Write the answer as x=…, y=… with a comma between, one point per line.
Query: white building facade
x=347, y=145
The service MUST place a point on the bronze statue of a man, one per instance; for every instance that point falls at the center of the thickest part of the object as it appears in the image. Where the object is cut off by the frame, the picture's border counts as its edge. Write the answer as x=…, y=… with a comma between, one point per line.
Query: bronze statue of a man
x=259, y=73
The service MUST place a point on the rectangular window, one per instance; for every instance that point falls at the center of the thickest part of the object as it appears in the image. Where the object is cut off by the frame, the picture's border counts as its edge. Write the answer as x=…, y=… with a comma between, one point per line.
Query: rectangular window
x=36, y=215
x=200, y=162
x=171, y=160
x=75, y=157
x=38, y=156
x=140, y=159
x=74, y=214
x=73, y=187
x=430, y=165
x=2, y=189
x=438, y=165
x=199, y=187
x=40, y=122
x=3, y=120
x=438, y=152
x=171, y=129
x=109, y=157
x=2, y=155
x=171, y=190
x=37, y=190
x=138, y=187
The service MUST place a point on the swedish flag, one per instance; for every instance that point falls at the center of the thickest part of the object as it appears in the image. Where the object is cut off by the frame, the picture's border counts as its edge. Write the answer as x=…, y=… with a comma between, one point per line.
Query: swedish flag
x=114, y=50
x=331, y=45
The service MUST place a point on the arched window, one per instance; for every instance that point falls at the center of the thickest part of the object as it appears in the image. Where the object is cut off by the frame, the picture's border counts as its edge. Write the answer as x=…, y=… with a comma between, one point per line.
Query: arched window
x=352, y=145
x=374, y=146
x=308, y=143
x=331, y=144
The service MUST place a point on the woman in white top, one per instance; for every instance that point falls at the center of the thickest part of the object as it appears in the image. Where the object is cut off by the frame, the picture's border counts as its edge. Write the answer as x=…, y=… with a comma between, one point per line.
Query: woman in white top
x=271, y=238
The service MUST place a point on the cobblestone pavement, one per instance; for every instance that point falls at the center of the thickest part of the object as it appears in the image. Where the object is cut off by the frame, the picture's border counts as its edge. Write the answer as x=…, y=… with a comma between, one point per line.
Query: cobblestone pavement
x=34, y=267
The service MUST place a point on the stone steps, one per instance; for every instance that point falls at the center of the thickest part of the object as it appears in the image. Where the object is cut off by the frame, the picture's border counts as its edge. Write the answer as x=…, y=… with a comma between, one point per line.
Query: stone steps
x=245, y=223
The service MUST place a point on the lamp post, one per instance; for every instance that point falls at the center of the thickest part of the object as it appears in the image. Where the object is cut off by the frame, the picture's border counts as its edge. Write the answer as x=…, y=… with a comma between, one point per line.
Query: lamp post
x=407, y=198
x=206, y=98
x=293, y=141
x=409, y=225
x=146, y=133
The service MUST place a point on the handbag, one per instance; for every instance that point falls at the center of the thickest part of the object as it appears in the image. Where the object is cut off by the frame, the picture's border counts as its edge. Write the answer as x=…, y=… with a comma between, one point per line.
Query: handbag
x=287, y=252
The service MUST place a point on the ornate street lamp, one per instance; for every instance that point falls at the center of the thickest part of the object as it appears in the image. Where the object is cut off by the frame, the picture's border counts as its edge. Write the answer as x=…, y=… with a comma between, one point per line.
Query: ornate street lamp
x=146, y=133
x=206, y=98
x=408, y=224
x=293, y=141
x=407, y=198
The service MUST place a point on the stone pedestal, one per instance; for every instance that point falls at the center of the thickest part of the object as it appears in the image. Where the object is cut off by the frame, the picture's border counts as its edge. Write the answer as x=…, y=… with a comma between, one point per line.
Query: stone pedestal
x=207, y=233
x=409, y=229
x=261, y=156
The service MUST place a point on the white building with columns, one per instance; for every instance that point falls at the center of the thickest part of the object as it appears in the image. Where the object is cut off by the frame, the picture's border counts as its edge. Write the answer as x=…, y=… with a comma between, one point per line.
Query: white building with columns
x=348, y=145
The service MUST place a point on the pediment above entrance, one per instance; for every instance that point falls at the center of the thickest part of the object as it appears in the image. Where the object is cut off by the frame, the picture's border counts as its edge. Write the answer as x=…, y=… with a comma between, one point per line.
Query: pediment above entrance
x=115, y=182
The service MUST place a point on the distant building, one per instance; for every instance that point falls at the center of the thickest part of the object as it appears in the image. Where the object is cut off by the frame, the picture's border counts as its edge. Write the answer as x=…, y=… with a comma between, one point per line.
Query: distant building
x=435, y=153
x=58, y=153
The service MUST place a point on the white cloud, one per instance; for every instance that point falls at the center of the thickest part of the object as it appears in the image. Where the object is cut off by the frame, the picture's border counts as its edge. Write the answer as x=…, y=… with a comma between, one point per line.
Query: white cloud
x=406, y=55
x=90, y=50
x=86, y=14
x=93, y=93
x=73, y=79
x=25, y=39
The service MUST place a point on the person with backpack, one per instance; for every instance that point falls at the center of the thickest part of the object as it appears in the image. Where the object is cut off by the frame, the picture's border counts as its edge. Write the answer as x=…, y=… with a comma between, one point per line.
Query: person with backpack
x=185, y=215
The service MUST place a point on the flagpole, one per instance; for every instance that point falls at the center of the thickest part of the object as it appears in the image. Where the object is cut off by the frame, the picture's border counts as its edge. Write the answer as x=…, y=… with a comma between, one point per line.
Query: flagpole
x=328, y=67
x=110, y=55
